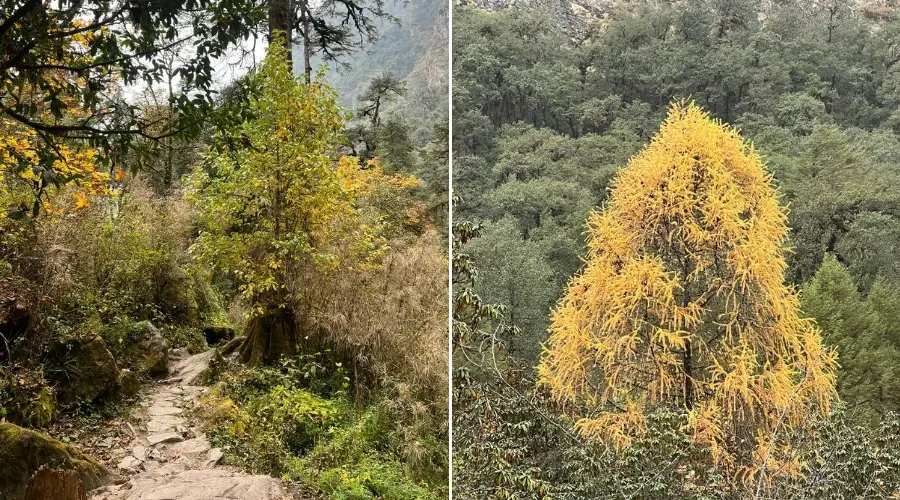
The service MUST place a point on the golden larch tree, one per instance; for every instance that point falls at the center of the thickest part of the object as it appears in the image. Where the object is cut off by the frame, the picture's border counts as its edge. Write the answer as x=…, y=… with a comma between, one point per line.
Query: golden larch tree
x=682, y=304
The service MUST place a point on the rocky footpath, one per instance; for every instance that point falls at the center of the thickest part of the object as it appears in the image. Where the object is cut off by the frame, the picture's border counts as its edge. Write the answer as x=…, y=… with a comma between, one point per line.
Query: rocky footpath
x=170, y=459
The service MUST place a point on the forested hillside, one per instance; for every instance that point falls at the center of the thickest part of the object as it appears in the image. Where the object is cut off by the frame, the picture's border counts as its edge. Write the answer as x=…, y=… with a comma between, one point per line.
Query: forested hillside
x=236, y=294
x=545, y=119
x=412, y=47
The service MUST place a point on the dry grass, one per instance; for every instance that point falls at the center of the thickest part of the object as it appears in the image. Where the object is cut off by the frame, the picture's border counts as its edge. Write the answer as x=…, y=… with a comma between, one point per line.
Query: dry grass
x=392, y=317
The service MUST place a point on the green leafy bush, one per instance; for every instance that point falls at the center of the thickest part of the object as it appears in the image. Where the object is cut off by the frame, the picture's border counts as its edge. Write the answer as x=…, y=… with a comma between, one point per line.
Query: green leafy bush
x=297, y=421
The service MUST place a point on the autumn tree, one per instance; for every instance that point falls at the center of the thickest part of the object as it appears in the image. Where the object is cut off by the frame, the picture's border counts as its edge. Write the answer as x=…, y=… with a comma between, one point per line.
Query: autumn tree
x=280, y=209
x=681, y=303
x=269, y=203
x=63, y=64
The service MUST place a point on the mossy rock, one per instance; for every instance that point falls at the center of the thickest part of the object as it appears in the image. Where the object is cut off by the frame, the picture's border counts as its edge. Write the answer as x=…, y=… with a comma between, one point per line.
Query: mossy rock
x=149, y=348
x=25, y=397
x=40, y=411
x=129, y=383
x=24, y=451
x=86, y=370
x=139, y=347
x=177, y=298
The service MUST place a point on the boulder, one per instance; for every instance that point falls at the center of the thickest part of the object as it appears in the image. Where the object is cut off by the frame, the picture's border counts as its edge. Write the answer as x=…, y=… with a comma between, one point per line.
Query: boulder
x=87, y=370
x=129, y=383
x=24, y=452
x=148, y=349
x=217, y=334
x=177, y=298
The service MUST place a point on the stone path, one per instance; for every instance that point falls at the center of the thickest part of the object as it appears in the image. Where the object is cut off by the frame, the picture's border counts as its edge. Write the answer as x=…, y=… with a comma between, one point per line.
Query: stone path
x=171, y=460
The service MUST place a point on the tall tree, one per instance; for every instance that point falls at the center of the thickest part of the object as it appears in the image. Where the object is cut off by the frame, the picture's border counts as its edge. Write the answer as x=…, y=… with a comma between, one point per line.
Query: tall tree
x=515, y=273
x=270, y=205
x=330, y=28
x=865, y=333
x=682, y=303
x=382, y=89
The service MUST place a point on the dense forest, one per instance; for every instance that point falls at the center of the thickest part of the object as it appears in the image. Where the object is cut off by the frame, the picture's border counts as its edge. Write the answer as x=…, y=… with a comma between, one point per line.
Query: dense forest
x=560, y=139
x=216, y=287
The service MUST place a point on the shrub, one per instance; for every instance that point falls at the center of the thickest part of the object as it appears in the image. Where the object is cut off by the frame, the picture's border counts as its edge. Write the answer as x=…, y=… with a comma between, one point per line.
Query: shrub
x=25, y=397
x=274, y=422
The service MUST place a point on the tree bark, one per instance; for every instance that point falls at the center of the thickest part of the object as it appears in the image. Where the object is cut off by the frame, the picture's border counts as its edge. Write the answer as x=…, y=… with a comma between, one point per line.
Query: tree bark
x=270, y=336
x=688, y=377
x=307, y=49
x=51, y=484
x=281, y=18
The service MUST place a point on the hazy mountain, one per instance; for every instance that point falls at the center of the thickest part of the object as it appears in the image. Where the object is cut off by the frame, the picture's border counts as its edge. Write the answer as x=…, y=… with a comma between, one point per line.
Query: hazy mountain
x=416, y=50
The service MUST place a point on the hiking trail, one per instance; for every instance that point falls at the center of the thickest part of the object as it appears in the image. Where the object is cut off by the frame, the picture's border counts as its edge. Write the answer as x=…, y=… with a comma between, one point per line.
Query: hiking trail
x=170, y=459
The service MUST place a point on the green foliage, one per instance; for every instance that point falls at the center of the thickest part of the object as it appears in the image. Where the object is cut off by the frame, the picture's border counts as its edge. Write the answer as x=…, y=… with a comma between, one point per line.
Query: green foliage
x=512, y=441
x=296, y=421
x=866, y=335
x=515, y=272
x=185, y=336
x=371, y=478
x=274, y=202
x=543, y=117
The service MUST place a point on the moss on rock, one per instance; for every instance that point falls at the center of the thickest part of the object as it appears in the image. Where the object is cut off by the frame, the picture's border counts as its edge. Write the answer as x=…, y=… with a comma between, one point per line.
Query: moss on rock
x=177, y=298
x=140, y=347
x=23, y=452
x=40, y=411
x=25, y=397
x=129, y=383
x=86, y=372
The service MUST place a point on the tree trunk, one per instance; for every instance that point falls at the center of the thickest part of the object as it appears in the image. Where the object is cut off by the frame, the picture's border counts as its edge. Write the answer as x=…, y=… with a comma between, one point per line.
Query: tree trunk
x=688, y=377
x=269, y=337
x=50, y=484
x=307, y=49
x=281, y=18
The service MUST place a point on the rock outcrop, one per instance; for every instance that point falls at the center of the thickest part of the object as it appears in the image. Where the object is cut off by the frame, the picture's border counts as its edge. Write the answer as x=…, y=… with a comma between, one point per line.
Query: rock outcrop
x=87, y=370
x=129, y=383
x=24, y=451
x=149, y=349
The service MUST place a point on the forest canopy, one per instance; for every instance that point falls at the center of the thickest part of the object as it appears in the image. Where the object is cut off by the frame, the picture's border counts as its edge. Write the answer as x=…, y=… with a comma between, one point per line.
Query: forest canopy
x=605, y=260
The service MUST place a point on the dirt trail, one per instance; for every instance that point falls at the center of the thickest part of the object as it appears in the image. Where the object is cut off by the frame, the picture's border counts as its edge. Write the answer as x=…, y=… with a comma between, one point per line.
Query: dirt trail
x=170, y=460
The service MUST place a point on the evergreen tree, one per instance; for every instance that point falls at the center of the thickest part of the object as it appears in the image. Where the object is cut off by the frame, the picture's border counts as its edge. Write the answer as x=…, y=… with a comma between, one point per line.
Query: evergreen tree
x=864, y=331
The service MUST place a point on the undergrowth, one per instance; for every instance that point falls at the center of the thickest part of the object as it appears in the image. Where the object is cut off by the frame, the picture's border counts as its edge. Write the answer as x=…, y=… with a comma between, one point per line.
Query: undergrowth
x=299, y=421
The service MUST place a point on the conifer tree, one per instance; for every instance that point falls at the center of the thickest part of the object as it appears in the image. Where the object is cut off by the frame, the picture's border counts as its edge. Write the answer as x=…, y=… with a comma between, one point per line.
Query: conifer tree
x=864, y=333
x=681, y=303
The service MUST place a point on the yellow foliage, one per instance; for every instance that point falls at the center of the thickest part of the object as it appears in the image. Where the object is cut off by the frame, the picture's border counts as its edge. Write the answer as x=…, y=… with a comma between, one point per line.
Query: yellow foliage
x=682, y=303
x=25, y=154
x=284, y=205
x=20, y=155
